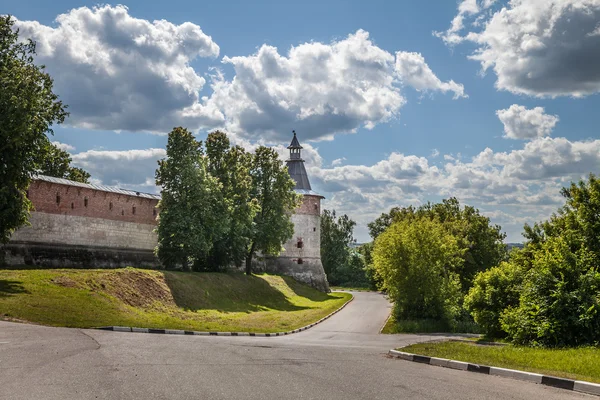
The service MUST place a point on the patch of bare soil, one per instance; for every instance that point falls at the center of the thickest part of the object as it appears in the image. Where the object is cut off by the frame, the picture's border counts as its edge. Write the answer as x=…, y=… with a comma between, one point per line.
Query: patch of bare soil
x=65, y=281
x=138, y=289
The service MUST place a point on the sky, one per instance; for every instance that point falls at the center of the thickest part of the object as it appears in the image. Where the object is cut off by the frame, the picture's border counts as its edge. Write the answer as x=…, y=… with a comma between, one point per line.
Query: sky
x=396, y=103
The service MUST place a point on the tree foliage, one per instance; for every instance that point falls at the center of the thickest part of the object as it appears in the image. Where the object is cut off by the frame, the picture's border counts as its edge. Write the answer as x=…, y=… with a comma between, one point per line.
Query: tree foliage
x=275, y=199
x=222, y=206
x=482, y=242
x=28, y=109
x=231, y=167
x=192, y=217
x=336, y=236
x=57, y=163
x=415, y=259
x=549, y=291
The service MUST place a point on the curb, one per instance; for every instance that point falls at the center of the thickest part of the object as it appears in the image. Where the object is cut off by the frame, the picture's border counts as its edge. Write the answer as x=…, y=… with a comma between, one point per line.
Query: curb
x=201, y=333
x=561, y=383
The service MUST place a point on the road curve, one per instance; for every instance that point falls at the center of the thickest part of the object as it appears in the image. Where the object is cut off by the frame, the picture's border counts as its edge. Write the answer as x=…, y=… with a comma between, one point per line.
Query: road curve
x=341, y=358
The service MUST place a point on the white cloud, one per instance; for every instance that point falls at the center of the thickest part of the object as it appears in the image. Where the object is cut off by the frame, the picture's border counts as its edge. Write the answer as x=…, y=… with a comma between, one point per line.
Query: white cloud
x=524, y=183
x=543, y=48
x=466, y=8
x=132, y=169
x=522, y=123
x=319, y=89
x=414, y=71
x=64, y=146
x=338, y=161
x=435, y=153
x=117, y=72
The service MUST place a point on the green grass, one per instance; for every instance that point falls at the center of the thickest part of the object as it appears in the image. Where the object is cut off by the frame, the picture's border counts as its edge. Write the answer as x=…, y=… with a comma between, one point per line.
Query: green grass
x=428, y=326
x=580, y=363
x=162, y=299
x=351, y=288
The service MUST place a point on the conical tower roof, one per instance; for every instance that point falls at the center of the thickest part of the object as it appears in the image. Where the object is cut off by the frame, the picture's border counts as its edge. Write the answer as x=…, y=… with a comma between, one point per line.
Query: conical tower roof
x=295, y=165
x=295, y=143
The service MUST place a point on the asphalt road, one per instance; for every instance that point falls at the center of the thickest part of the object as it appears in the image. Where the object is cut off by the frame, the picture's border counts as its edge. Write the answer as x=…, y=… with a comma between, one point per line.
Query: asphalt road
x=342, y=358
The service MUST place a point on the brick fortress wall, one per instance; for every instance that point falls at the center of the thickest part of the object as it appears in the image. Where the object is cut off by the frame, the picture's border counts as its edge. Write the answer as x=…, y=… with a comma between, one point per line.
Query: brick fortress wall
x=75, y=225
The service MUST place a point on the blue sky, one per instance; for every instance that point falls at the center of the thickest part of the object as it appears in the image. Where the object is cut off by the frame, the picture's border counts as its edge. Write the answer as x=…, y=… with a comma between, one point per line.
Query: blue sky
x=390, y=99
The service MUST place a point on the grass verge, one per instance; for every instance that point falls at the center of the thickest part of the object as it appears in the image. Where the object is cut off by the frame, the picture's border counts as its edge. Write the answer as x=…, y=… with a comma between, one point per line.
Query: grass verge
x=162, y=299
x=351, y=288
x=428, y=326
x=578, y=363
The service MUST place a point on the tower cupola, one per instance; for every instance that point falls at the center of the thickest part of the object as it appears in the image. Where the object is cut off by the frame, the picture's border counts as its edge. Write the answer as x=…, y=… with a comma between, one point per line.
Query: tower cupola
x=295, y=165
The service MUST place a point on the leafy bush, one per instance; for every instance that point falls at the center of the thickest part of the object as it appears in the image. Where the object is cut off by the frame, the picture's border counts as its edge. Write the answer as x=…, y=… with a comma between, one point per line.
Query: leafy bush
x=549, y=292
x=494, y=290
x=482, y=242
x=415, y=259
x=560, y=302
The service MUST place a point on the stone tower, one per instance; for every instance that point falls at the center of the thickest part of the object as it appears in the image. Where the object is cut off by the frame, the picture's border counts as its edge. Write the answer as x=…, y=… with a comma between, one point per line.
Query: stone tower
x=301, y=258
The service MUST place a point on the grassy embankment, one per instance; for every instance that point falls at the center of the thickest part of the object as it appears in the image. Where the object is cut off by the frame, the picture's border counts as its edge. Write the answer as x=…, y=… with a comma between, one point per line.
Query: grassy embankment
x=580, y=363
x=162, y=299
x=428, y=326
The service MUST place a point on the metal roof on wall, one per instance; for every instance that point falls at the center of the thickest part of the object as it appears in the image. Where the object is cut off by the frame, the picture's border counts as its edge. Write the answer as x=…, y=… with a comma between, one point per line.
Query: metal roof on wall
x=102, y=188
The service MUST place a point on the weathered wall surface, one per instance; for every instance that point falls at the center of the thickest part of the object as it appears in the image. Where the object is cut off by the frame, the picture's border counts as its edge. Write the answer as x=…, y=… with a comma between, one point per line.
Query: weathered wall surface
x=85, y=226
x=301, y=258
x=55, y=240
x=86, y=231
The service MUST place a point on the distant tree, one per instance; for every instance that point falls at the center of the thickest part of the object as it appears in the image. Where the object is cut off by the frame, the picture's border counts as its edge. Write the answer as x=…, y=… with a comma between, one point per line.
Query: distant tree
x=483, y=242
x=336, y=236
x=415, y=260
x=28, y=108
x=57, y=163
x=274, y=196
x=231, y=167
x=192, y=216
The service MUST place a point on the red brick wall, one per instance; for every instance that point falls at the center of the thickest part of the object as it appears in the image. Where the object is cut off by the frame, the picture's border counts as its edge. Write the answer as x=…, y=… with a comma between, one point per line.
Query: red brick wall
x=310, y=205
x=44, y=196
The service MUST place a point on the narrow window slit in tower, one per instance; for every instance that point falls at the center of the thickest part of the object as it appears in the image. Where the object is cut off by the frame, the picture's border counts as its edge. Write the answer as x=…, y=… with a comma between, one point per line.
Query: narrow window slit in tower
x=57, y=198
x=85, y=202
x=110, y=206
x=300, y=244
x=133, y=210
x=300, y=261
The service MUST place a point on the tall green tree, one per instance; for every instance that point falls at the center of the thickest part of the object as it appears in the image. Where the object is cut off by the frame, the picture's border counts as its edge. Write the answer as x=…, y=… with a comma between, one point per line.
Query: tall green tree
x=28, y=109
x=336, y=237
x=274, y=196
x=57, y=162
x=483, y=242
x=231, y=167
x=415, y=260
x=191, y=217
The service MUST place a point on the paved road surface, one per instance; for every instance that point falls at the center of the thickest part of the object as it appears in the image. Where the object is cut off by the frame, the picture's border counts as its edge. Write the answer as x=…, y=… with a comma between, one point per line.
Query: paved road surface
x=342, y=358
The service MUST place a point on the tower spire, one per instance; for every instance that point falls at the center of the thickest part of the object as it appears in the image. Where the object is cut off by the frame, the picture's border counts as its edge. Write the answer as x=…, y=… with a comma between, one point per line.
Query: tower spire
x=295, y=165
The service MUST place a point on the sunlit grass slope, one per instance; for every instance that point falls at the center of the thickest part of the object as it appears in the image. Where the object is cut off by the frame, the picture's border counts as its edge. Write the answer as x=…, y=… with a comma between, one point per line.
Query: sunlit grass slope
x=160, y=299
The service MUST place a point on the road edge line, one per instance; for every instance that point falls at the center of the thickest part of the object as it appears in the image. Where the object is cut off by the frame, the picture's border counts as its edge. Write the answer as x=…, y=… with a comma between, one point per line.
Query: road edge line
x=209, y=333
x=547, y=380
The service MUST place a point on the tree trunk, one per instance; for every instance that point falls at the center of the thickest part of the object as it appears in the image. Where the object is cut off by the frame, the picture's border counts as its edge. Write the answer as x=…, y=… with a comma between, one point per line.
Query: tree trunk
x=249, y=264
x=249, y=259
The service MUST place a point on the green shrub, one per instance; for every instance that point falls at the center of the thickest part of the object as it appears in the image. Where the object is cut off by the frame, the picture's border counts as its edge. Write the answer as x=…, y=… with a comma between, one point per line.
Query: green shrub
x=493, y=291
x=414, y=259
x=560, y=301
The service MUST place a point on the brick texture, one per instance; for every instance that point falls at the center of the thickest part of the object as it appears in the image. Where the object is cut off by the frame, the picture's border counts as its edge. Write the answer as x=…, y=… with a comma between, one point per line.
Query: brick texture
x=61, y=199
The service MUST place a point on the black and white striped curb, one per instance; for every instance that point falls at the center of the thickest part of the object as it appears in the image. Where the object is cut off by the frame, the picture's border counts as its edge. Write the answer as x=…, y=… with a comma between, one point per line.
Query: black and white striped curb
x=183, y=332
x=562, y=383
